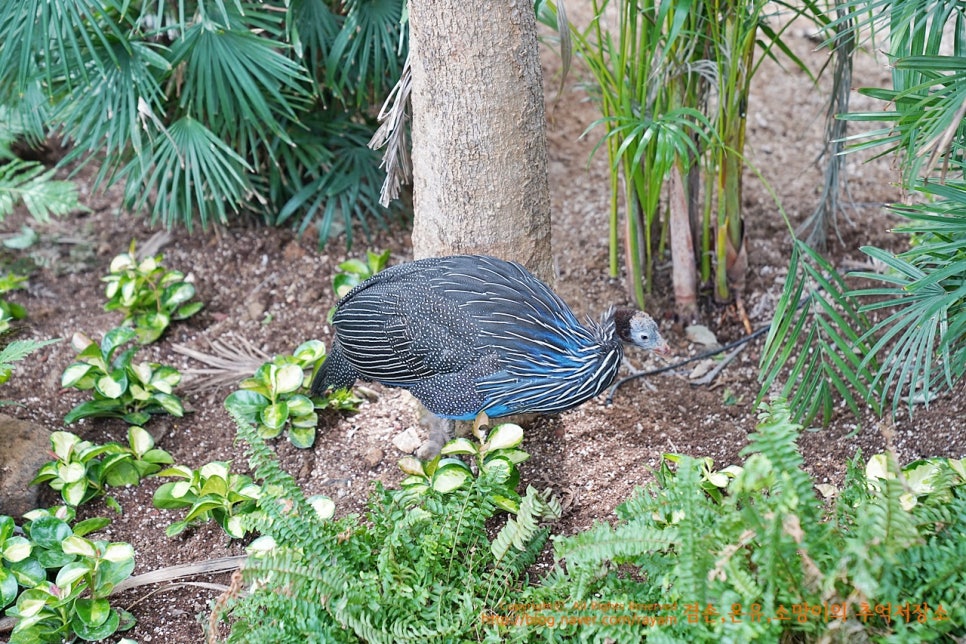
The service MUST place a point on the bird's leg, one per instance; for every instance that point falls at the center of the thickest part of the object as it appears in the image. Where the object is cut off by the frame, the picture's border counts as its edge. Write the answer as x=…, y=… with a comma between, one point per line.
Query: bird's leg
x=441, y=431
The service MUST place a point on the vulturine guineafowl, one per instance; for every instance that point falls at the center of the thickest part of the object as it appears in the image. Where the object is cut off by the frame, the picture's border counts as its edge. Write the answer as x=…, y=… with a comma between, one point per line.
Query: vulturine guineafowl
x=468, y=334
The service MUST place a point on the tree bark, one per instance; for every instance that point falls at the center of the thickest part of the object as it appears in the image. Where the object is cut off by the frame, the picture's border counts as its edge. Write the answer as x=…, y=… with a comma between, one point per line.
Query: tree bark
x=479, y=132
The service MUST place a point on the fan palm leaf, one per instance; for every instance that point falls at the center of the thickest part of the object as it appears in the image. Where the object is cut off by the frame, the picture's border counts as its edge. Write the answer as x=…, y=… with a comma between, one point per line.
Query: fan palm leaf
x=190, y=168
x=366, y=57
x=235, y=79
x=924, y=338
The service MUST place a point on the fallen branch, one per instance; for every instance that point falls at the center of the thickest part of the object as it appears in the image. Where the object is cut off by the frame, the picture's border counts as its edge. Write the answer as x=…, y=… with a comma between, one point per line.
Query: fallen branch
x=222, y=564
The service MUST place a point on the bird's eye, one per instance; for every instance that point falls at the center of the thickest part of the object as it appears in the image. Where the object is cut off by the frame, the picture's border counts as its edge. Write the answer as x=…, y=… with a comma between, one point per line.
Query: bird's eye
x=644, y=337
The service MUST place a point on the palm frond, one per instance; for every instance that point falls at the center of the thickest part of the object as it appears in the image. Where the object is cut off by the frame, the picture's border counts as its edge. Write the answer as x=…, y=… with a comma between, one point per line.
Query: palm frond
x=132, y=94
x=235, y=79
x=342, y=190
x=23, y=118
x=142, y=88
x=819, y=333
x=312, y=27
x=366, y=57
x=228, y=362
x=60, y=43
x=191, y=170
x=924, y=339
x=929, y=86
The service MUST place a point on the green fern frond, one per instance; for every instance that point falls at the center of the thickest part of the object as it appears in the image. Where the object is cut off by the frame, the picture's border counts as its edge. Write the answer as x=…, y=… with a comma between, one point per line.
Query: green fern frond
x=519, y=532
x=883, y=530
x=419, y=569
x=776, y=439
x=603, y=542
x=17, y=350
x=33, y=185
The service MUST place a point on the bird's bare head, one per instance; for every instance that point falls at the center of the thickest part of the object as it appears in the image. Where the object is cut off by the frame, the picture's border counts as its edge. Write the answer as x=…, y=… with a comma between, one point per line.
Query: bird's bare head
x=640, y=329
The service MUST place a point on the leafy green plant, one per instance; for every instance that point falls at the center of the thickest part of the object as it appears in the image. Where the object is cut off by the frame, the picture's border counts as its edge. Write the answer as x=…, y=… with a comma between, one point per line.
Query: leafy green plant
x=10, y=310
x=121, y=388
x=921, y=115
x=353, y=272
x=919, y=348
x=30, y=183
x=818, y=334
x=654, y=74
x=752, y=555
x=13, y=550
x=276, y=396
x=913, y=352
x=55, y=581
x=83, y=471
x=445, y=474
x=149, y=295
x=211, y=492
x=916, y=348
x=713, y=482
x=229, y=108
x=418, y=568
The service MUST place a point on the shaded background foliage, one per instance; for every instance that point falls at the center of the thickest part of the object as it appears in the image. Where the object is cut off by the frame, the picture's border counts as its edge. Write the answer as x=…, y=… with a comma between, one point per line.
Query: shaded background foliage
x=208, y=110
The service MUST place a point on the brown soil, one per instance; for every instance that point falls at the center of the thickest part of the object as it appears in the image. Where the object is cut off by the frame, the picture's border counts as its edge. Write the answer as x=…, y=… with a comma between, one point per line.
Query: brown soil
x=274, y=290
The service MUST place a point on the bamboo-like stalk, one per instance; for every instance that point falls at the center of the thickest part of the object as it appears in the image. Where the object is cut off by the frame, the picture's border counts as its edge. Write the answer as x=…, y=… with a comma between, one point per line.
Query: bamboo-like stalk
x=684, y=273
x=662, y=58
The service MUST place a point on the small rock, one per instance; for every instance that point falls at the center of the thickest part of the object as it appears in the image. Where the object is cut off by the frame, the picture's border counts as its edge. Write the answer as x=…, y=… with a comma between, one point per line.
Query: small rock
x=406, y=441
x=701, y=334
x=255, y=309
x=372, y=457
x=24, y=448
x=701, y=368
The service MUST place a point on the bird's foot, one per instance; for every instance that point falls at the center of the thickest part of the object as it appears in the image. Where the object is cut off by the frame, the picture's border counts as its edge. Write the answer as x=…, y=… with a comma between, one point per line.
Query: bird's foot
x=441, y=431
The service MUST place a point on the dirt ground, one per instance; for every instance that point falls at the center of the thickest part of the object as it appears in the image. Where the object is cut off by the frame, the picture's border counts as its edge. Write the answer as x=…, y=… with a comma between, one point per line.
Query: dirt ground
x=274, y=290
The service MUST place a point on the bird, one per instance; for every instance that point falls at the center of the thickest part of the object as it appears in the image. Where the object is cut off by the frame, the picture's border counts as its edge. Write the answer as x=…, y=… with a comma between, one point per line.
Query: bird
x=474, y=336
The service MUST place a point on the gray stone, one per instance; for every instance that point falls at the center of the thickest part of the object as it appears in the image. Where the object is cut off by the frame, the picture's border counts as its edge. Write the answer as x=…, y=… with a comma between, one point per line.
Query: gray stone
x=24, y=448
x=406, y=441
x=700, y=334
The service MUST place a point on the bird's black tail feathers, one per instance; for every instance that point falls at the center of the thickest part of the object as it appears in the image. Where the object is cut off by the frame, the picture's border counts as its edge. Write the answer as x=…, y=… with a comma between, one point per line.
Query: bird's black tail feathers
x=335, y=373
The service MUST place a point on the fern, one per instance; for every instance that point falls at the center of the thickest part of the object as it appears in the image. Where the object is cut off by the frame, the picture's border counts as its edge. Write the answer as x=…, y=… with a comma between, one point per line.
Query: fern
x=419, y=569
x=520, y=532
x=15, y=352
x=20, y=349
x=766, y=544
x=33, y=185
x=422, y=567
